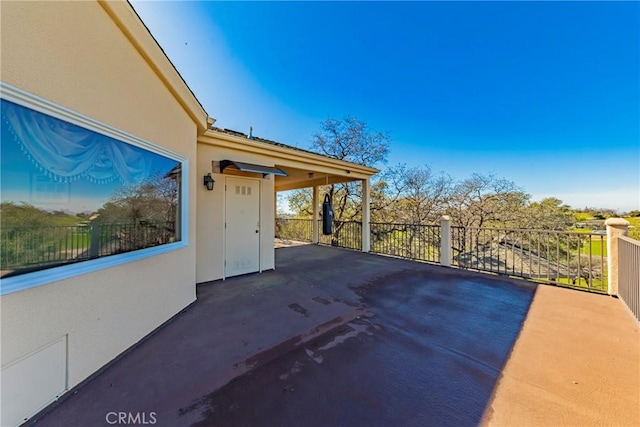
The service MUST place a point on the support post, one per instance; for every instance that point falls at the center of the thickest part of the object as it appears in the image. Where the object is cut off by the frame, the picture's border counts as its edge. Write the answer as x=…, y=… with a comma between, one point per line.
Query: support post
x=316, y=215
x=445, y=241
x=366, y=216
x=616, y=227
x=94, y=243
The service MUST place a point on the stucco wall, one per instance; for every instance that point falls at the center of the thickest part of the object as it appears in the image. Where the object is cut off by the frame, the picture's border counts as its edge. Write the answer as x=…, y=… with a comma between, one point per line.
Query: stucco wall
x=210, y=215
x=73, y=54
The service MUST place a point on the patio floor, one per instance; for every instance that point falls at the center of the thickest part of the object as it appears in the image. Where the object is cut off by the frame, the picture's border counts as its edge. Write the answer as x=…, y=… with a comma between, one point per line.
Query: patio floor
x=575, y=361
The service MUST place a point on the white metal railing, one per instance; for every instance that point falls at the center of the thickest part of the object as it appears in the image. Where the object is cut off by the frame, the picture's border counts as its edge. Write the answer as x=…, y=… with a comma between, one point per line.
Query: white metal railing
x=563, y=258
x=629, y=273
x=587, y=261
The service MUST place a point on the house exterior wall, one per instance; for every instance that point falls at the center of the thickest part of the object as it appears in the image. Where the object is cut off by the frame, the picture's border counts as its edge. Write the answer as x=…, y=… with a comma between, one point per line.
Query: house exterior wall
x=211, y=210
x=73, y=54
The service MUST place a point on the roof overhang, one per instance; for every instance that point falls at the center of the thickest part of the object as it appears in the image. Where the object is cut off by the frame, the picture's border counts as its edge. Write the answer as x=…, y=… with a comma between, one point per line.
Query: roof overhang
x=304, y=169
x=301, y=178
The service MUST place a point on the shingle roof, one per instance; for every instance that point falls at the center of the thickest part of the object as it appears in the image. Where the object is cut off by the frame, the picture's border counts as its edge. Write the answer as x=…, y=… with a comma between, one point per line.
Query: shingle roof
x=268, y=141
x=370, y=170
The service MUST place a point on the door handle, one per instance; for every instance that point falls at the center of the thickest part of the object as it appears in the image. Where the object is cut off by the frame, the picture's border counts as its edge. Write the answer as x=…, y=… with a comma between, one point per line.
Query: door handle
x=256, y=231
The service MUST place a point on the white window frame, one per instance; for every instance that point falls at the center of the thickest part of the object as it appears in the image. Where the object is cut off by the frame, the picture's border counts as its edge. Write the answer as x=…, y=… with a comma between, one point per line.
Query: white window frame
x=42, y=277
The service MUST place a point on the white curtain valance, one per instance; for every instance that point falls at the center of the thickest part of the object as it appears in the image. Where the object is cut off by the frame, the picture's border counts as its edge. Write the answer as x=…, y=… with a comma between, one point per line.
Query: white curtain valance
x=68, y=152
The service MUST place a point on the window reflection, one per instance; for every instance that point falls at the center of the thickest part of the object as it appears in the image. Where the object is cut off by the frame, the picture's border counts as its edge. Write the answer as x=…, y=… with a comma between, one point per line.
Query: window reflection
x=69, y=194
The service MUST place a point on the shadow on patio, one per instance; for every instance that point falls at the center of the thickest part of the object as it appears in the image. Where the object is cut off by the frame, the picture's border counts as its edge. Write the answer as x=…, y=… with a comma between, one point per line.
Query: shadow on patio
x=409, y=344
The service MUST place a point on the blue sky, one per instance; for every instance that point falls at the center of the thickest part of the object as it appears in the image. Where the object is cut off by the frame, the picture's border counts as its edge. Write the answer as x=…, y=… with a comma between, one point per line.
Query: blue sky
x=24, y=180
x=544, y=94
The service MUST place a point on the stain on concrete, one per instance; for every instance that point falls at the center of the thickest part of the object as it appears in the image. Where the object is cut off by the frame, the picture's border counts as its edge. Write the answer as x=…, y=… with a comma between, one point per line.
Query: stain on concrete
x=429, y=353
x=299, y=309
x=321, y=300
x=422, y=345
x=314, y=356
x=353, y=330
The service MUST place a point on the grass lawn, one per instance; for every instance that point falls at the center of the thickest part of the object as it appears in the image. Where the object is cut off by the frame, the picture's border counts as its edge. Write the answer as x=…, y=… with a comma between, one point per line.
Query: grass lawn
x=598, y=247
x=634, y=229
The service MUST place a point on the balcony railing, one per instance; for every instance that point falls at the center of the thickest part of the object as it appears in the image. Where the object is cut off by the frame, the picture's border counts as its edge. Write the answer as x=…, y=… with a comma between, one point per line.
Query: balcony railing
x=28, y=249
x=629, y=274
x=346, y=234
x=412, y=241
x=556, y=257
x=299, y=230
x=570, y=259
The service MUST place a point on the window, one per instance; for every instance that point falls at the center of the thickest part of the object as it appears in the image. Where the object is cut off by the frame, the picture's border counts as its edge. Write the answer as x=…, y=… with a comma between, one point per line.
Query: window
x=75, y=192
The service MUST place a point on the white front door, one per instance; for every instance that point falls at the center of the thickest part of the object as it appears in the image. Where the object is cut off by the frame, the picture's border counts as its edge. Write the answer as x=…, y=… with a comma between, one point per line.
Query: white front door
x=242, y=227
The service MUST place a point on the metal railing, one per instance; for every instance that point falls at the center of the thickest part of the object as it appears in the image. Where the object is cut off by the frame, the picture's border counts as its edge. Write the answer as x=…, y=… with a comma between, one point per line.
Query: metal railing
x=557, y=257
x=119, y=238
x=296, y=229
x=27, y=249
x=412, y=241
x=572, y=259
x=346, y=234
x=629, y=273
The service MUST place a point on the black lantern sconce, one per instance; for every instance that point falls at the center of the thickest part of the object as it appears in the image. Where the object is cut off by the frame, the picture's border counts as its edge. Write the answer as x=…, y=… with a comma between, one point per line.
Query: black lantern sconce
x=208, y=181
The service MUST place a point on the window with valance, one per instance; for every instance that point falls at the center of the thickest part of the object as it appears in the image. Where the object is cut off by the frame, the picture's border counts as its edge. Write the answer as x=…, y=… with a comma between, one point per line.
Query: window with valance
x=71, y=194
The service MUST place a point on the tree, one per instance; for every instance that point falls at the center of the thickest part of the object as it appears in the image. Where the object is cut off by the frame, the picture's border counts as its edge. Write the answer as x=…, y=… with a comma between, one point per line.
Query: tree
x=485, y=200
x=351, y=140
x=301, y=202
x=140, y=215
x=600, y=213
x=153, y=200
x=423, y=195
x=548, y=214
x=410, y=200
x=29, y=235
x=23, y=215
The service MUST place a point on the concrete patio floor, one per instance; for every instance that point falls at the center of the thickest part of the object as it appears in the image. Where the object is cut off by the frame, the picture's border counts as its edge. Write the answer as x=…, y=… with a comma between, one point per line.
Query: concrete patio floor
x=575, y=361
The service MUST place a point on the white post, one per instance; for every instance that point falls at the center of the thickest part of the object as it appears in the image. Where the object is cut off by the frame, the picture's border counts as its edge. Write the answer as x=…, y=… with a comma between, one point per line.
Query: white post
x=316, y=215
x=366, y=216
x=445, y=241
x=275, y=206
x=616, y=227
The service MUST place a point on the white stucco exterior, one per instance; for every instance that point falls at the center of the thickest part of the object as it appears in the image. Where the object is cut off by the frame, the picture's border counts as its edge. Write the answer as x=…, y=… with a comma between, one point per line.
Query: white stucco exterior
x=76, y=55
x=210, y=256
x=303, y=170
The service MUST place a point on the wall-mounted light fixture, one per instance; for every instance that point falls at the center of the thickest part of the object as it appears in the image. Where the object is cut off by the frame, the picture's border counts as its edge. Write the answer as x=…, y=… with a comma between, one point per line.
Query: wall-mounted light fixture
x=208, y=181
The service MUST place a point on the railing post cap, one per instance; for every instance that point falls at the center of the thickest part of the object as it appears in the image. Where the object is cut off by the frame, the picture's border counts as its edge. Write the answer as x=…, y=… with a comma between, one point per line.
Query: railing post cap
x=445, y=218
x=616, y=222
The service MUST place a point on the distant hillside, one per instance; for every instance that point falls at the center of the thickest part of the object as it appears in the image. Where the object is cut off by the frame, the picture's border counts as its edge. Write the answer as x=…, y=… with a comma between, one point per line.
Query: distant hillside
x=14, y=215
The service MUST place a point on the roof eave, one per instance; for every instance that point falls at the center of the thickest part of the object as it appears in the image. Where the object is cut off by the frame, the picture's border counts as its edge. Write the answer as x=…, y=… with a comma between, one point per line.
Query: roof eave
x=246, y=144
